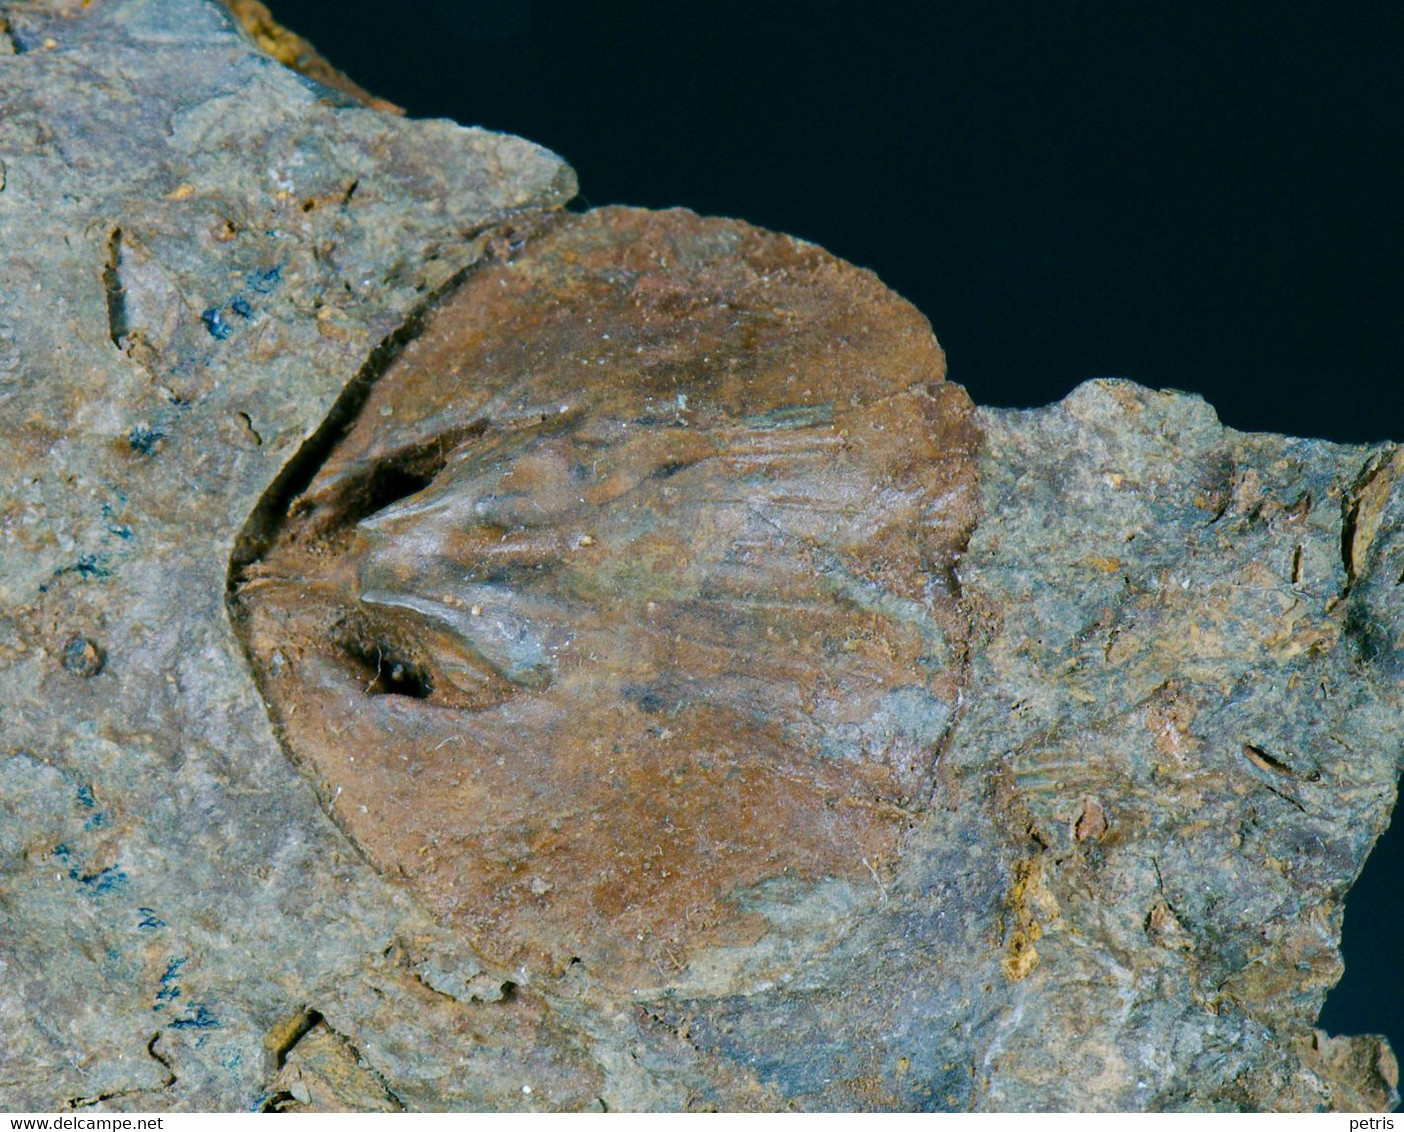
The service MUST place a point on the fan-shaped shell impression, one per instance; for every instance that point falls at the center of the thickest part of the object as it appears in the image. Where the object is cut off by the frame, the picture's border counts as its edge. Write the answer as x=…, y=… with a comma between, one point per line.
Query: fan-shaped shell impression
x=622, y=616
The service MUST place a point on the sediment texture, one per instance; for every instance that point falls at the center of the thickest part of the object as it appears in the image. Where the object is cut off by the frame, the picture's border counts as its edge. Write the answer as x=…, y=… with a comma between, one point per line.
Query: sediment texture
x=460, y=656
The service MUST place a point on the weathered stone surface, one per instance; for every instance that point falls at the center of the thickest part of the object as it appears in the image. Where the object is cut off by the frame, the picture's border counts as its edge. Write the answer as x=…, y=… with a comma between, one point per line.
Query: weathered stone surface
x=1188, y=725
x=1144, y=672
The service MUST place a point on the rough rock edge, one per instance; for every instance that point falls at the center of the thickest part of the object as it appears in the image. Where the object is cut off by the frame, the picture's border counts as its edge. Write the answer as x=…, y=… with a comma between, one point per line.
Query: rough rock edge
x=296, y=53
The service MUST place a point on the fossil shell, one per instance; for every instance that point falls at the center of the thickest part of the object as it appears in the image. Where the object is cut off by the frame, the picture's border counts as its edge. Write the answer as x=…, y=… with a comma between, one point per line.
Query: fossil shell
x=625, y=607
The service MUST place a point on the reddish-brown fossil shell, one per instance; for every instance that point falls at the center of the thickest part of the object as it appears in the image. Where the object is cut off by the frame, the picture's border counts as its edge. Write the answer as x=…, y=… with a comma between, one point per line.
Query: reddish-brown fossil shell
x=628, y=592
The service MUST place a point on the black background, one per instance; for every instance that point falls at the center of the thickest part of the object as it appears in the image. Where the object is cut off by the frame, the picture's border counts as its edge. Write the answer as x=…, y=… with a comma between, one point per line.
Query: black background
x=1199, y=197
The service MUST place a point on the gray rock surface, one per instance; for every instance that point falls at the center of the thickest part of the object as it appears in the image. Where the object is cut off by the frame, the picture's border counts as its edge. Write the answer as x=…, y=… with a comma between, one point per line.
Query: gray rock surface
x=1178, y=736
x=1188, y=724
